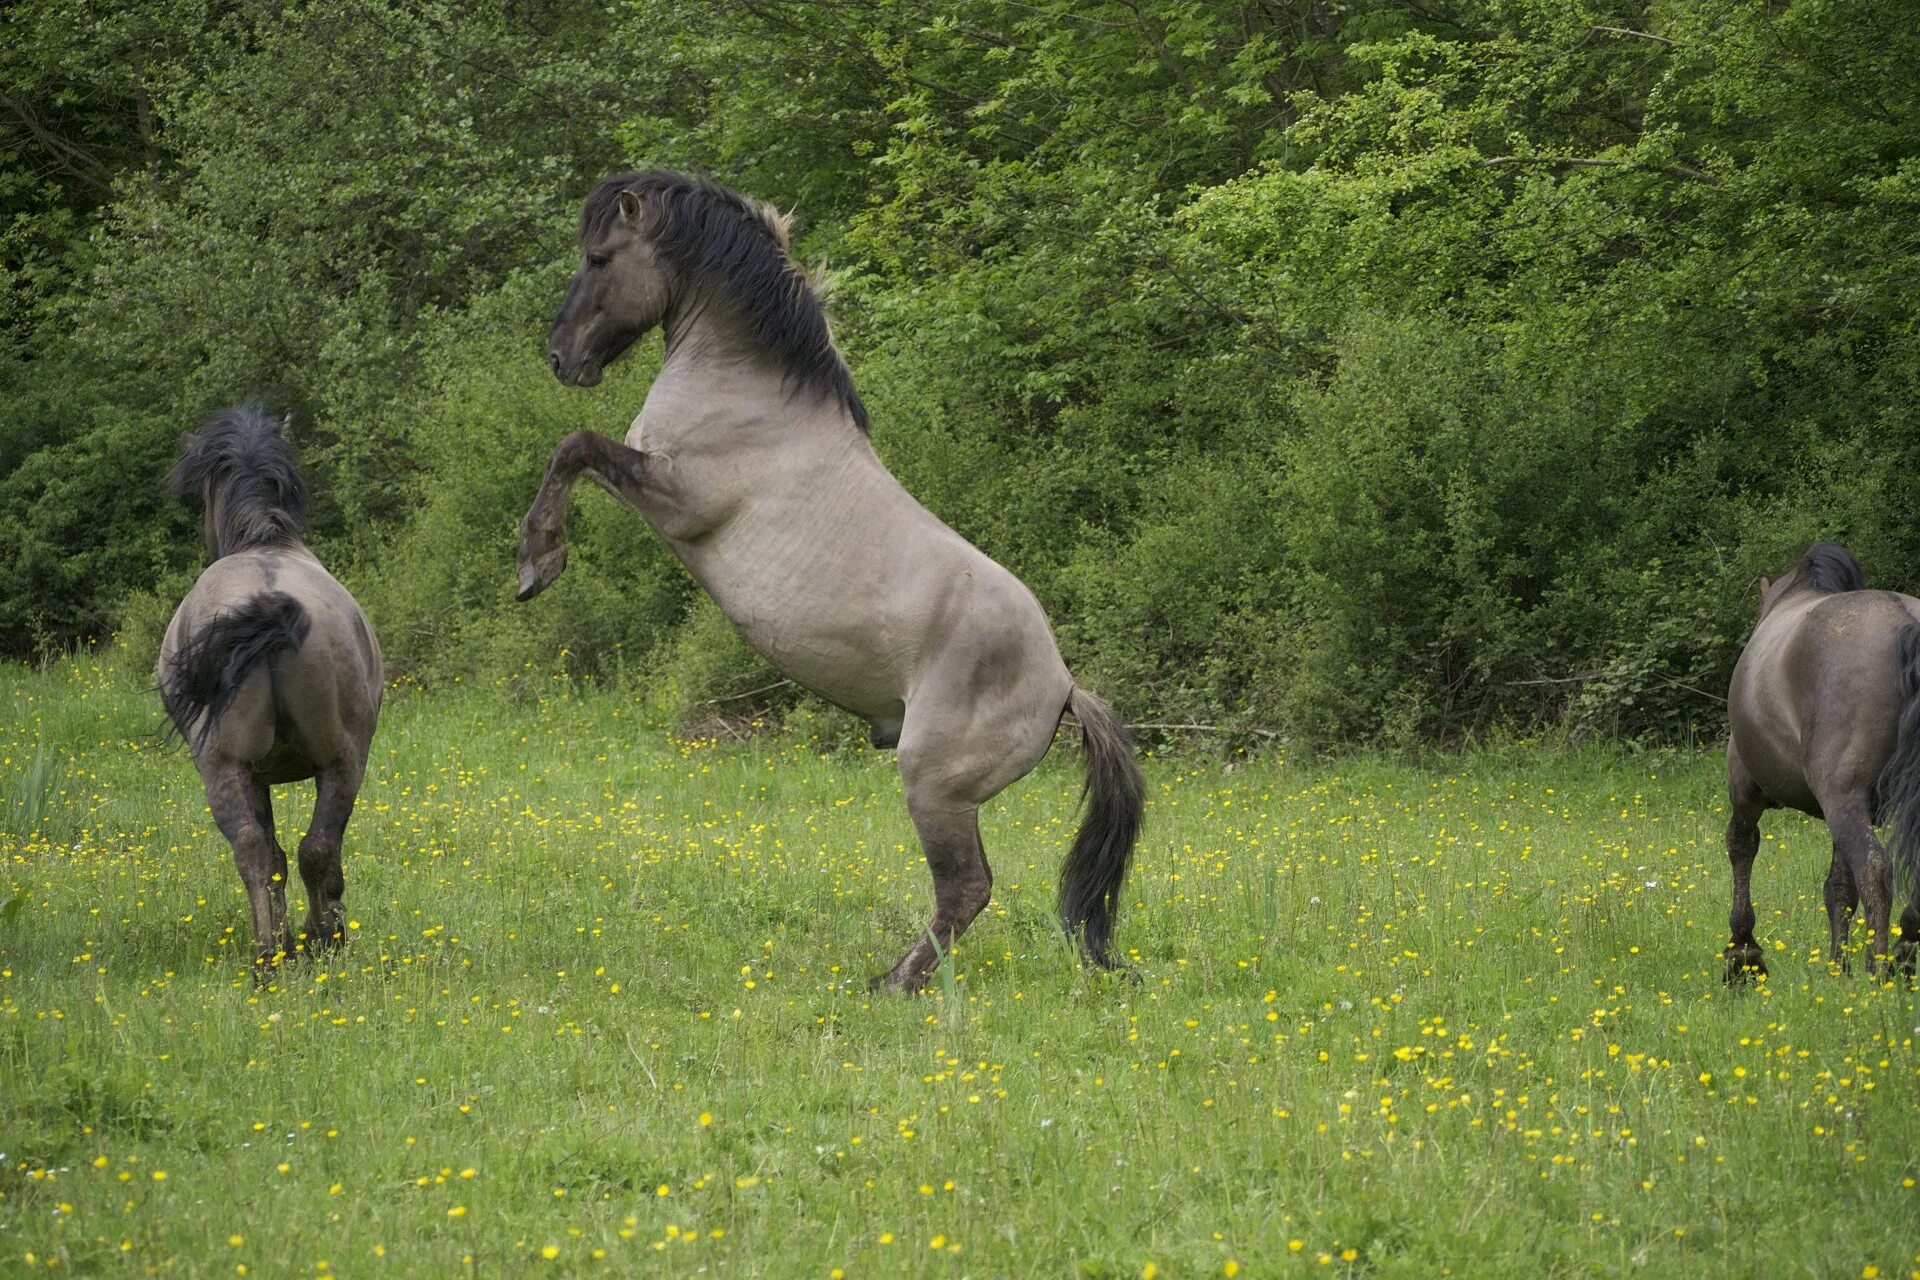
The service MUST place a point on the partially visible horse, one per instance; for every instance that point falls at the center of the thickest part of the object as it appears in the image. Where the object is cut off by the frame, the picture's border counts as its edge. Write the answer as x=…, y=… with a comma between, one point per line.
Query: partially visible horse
x=1824, y=712
x=751, y=461
x=269, y=672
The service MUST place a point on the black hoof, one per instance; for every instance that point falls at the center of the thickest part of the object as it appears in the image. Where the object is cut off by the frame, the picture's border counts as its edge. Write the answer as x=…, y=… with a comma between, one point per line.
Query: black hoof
x=1745, y=964
x=538, y=572
x=895, y=984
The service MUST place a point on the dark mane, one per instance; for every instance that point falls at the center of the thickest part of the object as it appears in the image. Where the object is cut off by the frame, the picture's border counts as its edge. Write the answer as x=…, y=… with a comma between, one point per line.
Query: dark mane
x=1827, y=567
x=242, y=456
x=703, y=229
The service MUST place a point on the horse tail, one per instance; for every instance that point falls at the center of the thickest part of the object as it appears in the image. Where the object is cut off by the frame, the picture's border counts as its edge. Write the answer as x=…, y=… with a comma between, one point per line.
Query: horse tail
x=1096, y=866
x=1900, y=780
x=200, y=678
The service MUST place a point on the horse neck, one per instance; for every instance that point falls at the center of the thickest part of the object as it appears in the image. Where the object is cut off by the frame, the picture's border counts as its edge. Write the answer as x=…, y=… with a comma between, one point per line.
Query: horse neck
x=290, y=545
x=719, y=389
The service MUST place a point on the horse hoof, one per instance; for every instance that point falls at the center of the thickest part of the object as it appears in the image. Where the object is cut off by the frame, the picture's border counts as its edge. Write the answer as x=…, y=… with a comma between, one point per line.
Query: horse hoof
x=1744, y=964
x=894, y=984
x=537, y=572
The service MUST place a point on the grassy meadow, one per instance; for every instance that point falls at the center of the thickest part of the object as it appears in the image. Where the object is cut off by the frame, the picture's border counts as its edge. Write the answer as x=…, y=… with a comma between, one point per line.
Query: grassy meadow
x=604, y=1012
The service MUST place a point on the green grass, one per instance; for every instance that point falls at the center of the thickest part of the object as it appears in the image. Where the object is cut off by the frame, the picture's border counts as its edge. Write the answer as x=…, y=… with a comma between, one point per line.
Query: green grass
x=604, y=1009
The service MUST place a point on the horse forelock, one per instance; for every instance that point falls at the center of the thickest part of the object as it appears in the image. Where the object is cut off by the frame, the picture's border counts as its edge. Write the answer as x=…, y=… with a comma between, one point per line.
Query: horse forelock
x=1827, y=567
x=703, y=230
x=240, y=456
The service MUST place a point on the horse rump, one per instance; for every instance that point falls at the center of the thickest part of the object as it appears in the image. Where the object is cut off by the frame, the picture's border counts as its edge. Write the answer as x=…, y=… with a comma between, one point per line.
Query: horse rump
x=1116, y=795
x=199, y=679
x=1899, y=789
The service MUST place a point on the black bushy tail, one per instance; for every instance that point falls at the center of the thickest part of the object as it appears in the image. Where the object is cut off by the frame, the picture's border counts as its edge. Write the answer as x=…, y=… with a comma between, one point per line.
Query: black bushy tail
x=1097, y=865
x=1900, y=780
x=213, y=661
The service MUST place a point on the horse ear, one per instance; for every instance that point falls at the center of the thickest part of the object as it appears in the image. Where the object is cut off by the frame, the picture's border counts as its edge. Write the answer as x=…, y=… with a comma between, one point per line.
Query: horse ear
x=630, y=208
x=186, y=442
x=286, y=422
x=1765, y=584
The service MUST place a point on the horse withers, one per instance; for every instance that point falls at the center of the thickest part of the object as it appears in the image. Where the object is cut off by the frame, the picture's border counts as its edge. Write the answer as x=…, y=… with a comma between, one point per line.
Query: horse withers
x=269, y=672
x=751, y=461
x=1824, y=713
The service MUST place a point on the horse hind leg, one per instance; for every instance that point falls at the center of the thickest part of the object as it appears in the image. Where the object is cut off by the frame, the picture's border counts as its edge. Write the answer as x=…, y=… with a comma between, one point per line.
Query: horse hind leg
x=335, y=793
x=1872, y=874
x=1744, y=958
x=243, y=810
x=962, y=883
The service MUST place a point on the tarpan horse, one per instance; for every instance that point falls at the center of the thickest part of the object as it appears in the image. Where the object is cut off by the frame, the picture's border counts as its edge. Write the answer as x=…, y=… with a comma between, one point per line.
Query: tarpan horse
x=1825, y=718
x=269, y=672
x=750, y=459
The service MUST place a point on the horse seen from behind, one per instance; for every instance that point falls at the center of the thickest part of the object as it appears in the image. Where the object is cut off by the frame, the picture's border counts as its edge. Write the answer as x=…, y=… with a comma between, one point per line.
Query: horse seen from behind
x=1824, y=717
x=269, y=672
x=750, y=460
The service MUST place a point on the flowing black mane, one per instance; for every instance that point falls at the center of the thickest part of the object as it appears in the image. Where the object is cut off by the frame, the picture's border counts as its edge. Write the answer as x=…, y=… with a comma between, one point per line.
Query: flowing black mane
x=242, y=456
x=1827, y=567
x=702, y=229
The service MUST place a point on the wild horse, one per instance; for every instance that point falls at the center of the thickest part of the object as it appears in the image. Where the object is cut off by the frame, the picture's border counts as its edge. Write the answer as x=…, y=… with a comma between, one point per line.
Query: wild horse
x=750, y=459
x=269, y=672
x=1824, y=712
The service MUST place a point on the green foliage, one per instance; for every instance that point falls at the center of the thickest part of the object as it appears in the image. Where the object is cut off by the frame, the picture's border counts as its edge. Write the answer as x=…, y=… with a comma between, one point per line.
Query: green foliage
x=26, y=798
x=1370, y=373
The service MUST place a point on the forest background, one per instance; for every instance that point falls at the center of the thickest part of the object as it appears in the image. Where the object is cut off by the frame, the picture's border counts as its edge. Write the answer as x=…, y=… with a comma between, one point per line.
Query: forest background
x=1361, y=372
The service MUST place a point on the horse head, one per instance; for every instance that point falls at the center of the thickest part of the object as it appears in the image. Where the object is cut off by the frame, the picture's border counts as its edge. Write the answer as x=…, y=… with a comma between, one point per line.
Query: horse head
x=621, y=290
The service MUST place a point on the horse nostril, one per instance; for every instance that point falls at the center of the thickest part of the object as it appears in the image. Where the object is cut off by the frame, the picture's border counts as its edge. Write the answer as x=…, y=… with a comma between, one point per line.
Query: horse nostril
x=553, y=360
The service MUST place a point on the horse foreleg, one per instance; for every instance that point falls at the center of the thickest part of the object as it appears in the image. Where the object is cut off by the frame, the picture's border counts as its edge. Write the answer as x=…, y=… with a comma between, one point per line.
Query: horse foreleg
x=335, y=791
x=243, y=810
x=962, y=883
x=543, y=555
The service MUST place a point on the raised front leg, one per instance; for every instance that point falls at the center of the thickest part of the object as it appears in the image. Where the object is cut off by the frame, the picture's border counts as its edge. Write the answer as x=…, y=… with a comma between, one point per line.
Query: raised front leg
x=243, y=811
x=335, y=792
x=618, y=469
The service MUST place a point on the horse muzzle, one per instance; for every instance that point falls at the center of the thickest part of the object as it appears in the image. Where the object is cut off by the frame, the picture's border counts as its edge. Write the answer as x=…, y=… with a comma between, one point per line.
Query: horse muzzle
x=583, y=371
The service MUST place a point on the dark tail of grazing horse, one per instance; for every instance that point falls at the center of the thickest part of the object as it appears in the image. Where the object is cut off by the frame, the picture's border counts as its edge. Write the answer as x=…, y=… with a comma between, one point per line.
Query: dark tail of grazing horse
x=1116, y=793
x=215, y=660
x=1900, y=780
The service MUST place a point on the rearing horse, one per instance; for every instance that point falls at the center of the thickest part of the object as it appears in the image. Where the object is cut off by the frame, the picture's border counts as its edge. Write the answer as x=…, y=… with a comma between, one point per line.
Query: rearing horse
x=751, y=461
x=1824, y=717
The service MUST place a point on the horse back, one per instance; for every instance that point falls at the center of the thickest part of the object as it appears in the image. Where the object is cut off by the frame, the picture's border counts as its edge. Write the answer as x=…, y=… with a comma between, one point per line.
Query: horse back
x=1815, y=696
x=313, y=706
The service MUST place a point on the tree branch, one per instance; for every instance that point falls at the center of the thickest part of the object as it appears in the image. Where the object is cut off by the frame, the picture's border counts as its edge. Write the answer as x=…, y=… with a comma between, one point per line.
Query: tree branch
x=74, y=159
x=1588, y=162
x=1638, y=35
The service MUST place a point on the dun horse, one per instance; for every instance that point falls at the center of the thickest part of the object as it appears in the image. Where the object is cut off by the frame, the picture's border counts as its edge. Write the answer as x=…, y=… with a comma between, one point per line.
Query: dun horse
x=1825, y=718
x=269, y=672
x=750, y=459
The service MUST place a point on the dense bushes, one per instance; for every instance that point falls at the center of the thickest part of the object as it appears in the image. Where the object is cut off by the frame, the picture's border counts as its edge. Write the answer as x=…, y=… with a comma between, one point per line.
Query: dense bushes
x=1360, y=374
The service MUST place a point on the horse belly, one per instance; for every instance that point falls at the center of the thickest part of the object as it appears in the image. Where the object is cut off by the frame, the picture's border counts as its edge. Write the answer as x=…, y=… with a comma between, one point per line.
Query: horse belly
x=844, y=657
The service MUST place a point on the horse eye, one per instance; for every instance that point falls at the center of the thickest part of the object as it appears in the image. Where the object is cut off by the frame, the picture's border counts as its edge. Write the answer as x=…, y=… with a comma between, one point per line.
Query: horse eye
x=598, y=259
